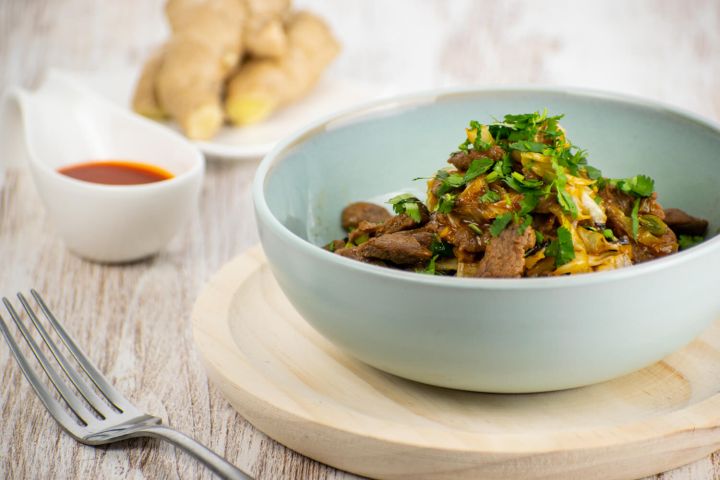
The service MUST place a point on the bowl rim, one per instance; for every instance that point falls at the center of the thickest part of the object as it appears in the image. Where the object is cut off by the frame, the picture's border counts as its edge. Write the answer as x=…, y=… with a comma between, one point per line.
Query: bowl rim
x=398, y=103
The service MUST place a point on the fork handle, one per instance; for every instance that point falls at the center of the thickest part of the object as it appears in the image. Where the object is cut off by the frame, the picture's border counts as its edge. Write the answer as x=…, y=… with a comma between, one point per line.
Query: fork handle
x=213, y=461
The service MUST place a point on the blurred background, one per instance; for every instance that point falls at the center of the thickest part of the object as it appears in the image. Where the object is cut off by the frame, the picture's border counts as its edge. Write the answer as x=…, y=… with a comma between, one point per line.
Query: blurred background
x=663, y=49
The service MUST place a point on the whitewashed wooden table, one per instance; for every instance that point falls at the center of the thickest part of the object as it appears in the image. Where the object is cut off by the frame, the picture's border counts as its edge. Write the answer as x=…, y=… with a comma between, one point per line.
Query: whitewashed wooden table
x=134, y=320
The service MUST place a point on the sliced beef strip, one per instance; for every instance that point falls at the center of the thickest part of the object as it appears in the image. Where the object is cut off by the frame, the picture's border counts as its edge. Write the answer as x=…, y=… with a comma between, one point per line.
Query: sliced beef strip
x=666, y=244
x=365, y=228
x=505, y=255
x=335, y=245
x=462, y=160
x=685, y=224
x=357, y=212
x=618, y=207
x=624, y=202
x=651, y=206
x=355, y=254
x=613, y=196
x=399, y=248
x=350, y=252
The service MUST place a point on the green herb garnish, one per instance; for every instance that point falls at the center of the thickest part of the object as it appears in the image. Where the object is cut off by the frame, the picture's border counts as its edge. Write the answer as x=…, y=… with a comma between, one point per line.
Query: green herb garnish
x=639, y=185
x=527, y=146
x=688, y=241
x=592, y=172
x=438, y=247
x=567, y=203
x=477, y=167
x=430, y=269
x=499, y=224
x=561, y=248
x=519, y=183
x=406, y=203
x=529, y=202
x=527, y=221
x=489, y=197
x=446, y=203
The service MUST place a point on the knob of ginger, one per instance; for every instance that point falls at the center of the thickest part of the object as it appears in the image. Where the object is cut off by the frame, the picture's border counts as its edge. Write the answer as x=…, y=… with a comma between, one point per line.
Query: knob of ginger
x=264, y=35
x=145, y=101
x=262, y=85
x=206, y=43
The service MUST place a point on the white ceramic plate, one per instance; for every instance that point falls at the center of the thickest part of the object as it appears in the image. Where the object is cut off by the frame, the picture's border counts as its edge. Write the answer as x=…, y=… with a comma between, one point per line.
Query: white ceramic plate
x=234, y=143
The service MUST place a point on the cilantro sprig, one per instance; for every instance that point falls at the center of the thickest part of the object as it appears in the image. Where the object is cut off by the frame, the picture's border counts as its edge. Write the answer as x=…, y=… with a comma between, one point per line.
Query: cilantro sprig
x=500, y=223
x=561, y=248
x=638, y=186
x=489, y=197
x=408, y=204
x=477, y=167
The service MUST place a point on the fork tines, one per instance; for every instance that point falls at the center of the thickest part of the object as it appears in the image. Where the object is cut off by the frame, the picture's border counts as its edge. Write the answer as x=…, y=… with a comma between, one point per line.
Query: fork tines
x=89, y=406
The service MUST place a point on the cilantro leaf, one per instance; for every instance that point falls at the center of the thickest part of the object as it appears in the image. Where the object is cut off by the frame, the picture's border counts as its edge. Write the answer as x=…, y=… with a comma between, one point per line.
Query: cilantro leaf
x=449, y=181
x=412, y=210
x=527, y=146
x=529, y=202
x=567, y=203
x=643, y=185
x=519, y=183
x=430, y=269
x=592, y=172
x=688, y=241
x=639, y=185
x=561, y=248
x=438, y=247
x=499, y=224
x=402, y=198
x=477, y=167
x=446, y=203
x=406, y=203
x=527, y=221
x=489, y=197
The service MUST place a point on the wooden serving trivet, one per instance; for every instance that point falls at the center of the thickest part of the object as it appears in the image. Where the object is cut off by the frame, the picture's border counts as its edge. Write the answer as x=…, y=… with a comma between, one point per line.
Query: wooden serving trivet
x=299, y=389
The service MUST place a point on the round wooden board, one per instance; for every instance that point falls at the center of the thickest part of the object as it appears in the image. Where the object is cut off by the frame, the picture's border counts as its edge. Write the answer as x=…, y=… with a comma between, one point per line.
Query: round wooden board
x=296, y=387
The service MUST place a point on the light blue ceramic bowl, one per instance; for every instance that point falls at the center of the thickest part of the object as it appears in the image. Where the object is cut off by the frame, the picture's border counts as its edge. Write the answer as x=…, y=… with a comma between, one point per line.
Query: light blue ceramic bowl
x=507, y=335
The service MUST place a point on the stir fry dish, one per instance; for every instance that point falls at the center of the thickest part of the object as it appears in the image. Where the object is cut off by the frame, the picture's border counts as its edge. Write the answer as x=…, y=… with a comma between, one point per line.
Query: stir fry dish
x=518, y=200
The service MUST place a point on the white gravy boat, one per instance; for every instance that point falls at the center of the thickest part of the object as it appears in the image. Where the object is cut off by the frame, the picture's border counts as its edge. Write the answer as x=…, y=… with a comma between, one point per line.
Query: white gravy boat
x=63, y=124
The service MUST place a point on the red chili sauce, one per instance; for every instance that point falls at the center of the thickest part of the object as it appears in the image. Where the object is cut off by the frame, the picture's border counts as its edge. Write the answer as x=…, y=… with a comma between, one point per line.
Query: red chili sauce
x=116, y=172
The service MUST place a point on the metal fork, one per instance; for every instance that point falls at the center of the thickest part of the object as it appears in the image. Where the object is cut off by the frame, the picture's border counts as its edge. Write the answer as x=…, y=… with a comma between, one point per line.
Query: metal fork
x=98, y=421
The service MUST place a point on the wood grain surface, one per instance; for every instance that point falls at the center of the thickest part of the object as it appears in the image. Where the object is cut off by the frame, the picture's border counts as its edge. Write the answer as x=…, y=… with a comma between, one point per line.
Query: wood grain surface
x=134, y=320
x=301, y=390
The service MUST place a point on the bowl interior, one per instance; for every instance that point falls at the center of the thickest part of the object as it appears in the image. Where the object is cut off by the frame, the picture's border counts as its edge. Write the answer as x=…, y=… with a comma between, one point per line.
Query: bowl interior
x=66, y=124
x=374, y=153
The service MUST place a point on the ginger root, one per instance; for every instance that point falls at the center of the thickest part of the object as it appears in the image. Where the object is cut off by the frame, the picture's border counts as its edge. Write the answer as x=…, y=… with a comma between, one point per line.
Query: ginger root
x=188, y=86
x=262, y=85
x=217, y=24
x=264, y=33
x=145, y=101
x=187, y=78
